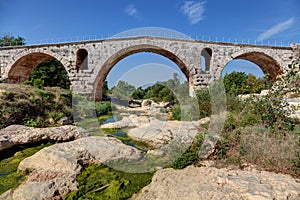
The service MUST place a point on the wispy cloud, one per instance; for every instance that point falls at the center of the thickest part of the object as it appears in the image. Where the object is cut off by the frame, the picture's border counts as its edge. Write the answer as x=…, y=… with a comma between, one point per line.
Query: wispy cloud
x=276, y=29
x=193, y=10
x=131, y=10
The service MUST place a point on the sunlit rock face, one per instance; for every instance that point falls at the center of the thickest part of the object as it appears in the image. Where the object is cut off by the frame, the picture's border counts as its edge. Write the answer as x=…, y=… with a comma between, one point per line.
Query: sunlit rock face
x=19, y=134
x=201, y=183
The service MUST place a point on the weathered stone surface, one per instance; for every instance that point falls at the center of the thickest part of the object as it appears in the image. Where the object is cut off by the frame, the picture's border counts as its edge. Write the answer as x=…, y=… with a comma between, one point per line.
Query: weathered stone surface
x=19, y=134
x=54, y=169
x=17, y=62
x=5, y=142
x=128, y=121
x=157, y=133
x=194, y=183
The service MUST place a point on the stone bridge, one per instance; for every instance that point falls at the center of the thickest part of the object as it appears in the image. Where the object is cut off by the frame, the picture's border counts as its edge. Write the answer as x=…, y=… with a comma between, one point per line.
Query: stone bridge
x=89, y=62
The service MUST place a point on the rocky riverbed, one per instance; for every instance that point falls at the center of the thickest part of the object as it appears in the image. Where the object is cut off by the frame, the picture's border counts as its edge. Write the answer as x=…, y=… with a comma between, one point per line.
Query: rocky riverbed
x=53, y=170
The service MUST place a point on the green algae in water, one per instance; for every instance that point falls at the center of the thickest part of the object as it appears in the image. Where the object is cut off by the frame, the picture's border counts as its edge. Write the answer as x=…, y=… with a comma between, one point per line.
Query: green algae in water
x=10, y=177
x=101, y=182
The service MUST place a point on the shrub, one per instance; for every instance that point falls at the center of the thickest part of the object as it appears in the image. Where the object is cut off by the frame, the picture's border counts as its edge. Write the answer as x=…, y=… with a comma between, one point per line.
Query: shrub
x=30, y=123
x=38, y=83
x=103, y=107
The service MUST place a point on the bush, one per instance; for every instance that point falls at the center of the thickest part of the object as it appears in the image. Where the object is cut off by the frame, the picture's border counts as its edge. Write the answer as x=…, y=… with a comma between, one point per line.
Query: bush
x=38, y=83
x=187, y=158
x=103, y=107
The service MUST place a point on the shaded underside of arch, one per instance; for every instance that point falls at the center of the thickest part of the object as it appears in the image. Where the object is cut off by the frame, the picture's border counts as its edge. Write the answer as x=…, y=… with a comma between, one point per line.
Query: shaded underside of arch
x=267, y=64
x=22, y=68
x=114, y=59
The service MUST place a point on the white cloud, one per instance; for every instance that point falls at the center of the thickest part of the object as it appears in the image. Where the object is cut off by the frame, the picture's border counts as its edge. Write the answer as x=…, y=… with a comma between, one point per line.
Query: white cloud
x=193, y=10
x=276, y=29
x=131, y=10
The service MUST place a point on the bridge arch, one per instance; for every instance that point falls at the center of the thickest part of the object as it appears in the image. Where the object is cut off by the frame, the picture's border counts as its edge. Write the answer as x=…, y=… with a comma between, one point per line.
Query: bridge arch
x=268, y=64
x=25, y=63
x=118, y=56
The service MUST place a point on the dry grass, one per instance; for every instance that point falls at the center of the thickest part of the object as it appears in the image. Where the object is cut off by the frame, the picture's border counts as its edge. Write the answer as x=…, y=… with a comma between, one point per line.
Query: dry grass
x=277, y=151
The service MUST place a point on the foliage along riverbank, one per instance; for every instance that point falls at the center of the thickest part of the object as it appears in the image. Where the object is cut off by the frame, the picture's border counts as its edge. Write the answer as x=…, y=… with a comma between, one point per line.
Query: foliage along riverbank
x=102, y=182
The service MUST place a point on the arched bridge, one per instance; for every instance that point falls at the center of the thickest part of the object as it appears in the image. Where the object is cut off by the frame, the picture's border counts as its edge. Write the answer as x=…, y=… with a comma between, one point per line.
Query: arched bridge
x=89, y=62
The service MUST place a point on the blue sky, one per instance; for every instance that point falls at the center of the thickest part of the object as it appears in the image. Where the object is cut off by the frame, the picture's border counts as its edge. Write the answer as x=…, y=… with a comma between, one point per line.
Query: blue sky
x=260, y=20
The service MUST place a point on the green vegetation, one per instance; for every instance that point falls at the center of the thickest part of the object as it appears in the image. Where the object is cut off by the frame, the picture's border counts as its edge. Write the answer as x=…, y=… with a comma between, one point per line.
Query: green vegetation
x=10, y=177
x=159, y=92
x=122, y=90
x=50, y=73
x=10, y=40
x=101, y=182
x=257, y=131
x=32, y=106
x=239, y=83
x=85, y=108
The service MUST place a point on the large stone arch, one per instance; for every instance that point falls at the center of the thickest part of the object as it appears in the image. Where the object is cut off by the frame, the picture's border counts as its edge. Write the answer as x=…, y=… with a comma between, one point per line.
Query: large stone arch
x=268, y=64
x=116, y=57
x=25, y=63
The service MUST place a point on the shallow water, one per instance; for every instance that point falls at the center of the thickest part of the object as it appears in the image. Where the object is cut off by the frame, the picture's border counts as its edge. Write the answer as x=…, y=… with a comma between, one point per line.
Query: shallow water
x=110, y=120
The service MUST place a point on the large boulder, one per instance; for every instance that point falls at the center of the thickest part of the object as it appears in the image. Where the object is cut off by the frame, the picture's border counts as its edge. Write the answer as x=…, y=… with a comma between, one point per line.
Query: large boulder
x=158, y=133
x=201, y=183
x=19, y=134
x=54, y=169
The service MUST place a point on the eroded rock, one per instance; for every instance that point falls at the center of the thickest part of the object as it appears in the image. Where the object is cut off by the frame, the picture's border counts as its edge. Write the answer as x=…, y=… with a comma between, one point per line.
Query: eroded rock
x=54, y=169
x=201, y=183
x=19, y=134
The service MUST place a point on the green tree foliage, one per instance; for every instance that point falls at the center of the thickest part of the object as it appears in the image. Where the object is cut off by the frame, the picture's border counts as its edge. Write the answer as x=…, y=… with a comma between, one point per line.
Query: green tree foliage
x=239, y=83
x=138, y=93
x=105, y=89
x=123, y=90
x=159, y=92
x=51, y=73
x=10, y=40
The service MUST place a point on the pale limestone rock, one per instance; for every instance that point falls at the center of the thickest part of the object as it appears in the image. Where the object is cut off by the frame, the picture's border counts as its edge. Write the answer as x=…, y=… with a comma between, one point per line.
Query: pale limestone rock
x=19, y=134
x=194, y=183
x=54, y=168
x=158, y=133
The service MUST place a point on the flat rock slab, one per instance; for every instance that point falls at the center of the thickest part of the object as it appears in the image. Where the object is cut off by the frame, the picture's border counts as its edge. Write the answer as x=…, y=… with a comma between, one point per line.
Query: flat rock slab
x=19, y=134
x=197, y=183
x=159, y=133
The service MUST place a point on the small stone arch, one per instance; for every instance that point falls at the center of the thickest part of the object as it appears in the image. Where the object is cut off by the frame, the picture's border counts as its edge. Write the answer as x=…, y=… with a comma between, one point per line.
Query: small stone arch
x=116, y=57
x=21, y=69
x=82, y=59
x=206, y=55
x=268, y=64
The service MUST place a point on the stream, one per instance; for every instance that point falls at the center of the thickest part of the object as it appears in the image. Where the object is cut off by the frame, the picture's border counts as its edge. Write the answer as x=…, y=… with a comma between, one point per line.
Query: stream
x=10, y=158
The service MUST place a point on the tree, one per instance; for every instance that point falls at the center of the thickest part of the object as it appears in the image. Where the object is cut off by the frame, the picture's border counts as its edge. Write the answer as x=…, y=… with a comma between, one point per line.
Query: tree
x=10, y=40
x=239, y=83
x=105, y=89
x=138, y=93
x=52, y=73
x=123, y=90
x=235, y=82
